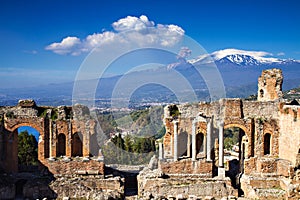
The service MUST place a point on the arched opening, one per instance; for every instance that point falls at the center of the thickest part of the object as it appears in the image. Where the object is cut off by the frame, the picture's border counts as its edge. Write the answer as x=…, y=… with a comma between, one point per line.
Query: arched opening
x=267, y=144
x=183, y=144
x=200, y=142
x=261, y=93
x=235, y=147
x=27, y=146
x=77, y=144
x=61, y=146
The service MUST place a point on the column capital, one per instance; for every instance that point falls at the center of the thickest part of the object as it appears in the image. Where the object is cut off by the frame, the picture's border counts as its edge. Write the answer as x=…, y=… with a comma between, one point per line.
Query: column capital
x=175, y=121
x=220, y=123
x=195, y=120
x=208, y=119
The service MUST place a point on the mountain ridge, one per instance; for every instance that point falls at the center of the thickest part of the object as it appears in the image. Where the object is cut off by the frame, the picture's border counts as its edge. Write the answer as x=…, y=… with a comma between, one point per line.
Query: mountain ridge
x=239, y=73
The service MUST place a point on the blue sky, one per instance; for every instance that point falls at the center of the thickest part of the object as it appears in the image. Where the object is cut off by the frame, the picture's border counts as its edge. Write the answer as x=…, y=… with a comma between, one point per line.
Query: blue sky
x=30, y=130
x=27, y=28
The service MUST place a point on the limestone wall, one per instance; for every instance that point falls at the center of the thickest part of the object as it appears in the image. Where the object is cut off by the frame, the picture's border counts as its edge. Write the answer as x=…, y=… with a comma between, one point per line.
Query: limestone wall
x=61, y=186
x=88, y=187
x=183, y=187
x=75, y=166
x=187, y=166
x=289, y=140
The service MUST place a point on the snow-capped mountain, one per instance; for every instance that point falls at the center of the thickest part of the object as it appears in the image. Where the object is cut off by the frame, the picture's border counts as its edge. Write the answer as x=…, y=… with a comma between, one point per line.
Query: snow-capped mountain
x=241, y=58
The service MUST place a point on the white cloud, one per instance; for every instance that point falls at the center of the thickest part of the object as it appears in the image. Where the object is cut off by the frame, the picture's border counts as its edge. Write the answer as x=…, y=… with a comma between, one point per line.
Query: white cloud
x=66, y=46
x=130, y=23
x=280, y=54
x=136, y=30
x=31, y=51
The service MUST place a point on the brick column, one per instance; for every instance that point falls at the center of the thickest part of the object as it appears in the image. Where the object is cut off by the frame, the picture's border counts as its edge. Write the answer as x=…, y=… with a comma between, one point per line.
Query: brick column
x=194, y=149
x=175, y=140
x=208, y=139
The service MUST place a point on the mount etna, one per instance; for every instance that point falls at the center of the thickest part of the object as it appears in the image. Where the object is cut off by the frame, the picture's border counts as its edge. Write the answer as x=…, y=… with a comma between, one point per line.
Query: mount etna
x=239, y=70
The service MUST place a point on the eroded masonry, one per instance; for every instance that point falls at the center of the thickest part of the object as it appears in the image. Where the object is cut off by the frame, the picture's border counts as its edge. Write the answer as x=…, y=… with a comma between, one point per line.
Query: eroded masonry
x=66, y=145
x=191, y=160
x=192, y=152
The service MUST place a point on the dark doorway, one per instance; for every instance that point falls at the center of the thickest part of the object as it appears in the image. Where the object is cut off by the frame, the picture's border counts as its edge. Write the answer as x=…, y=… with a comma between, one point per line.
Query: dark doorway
x=61, y=147
x=199, y=142
x=131, y=184
x=77, y=144
x=267, y=144
x=19, y=188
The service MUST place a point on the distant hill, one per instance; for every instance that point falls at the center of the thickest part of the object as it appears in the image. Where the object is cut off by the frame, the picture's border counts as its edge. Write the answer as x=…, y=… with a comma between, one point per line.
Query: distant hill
x=239, y=70
x=292, y=94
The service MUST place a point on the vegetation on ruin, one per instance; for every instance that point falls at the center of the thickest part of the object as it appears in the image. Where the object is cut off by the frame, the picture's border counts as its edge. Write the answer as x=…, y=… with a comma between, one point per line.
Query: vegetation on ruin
x=54, y=114
x=129, y=150
x=174, y=112
x=10, y=114
x=231, y=137
x=27, y=149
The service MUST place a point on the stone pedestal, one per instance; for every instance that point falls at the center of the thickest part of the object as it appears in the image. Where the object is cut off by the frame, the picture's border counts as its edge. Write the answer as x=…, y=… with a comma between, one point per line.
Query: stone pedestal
x=221, y=172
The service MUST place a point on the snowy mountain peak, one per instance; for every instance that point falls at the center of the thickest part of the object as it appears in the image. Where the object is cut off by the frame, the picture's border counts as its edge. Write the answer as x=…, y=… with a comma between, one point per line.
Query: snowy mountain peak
x=240, y=57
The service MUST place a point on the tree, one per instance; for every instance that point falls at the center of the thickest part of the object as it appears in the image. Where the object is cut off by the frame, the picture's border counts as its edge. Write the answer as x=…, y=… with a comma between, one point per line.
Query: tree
x=127, y=143
x=27, y=149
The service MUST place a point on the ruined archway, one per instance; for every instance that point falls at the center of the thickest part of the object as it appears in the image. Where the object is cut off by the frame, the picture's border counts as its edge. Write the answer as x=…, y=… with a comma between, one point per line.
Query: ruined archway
x=11, y=147
x=239, y=140
x=27, y=149
x=236, y=147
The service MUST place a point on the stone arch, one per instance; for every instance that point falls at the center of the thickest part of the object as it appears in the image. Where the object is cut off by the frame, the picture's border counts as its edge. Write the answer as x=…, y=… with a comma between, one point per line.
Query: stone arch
x=33, y=125
x=43, y=151
x=61, y=144
x=244, y=146
x=245, y=139
x=238, y=126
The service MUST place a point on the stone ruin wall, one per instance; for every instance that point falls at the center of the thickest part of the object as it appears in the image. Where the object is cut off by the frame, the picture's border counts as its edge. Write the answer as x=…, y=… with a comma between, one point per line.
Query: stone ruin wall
x=70, y=175
x=255, y=118
x=270, y=85
x=68, y=121
x=289, y=140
